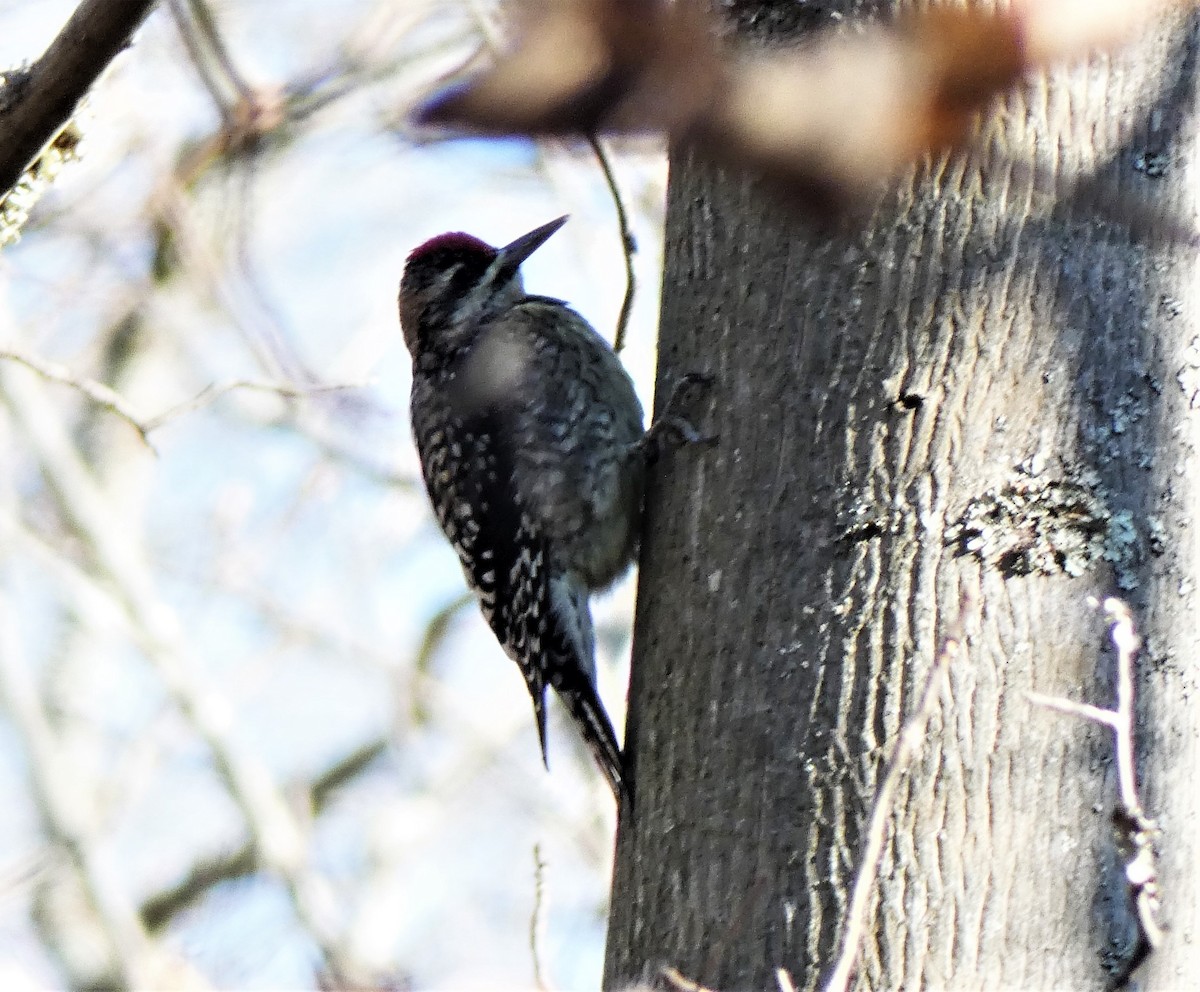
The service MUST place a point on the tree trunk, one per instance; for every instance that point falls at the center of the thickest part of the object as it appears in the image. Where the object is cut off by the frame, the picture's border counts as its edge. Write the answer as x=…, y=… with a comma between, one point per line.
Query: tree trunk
x=975, y=411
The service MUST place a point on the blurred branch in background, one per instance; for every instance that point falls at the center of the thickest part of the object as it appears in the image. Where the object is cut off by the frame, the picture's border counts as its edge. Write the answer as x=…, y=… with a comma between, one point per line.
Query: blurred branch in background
x=827, y=122
x=210, y=58
x=220, y=643
x=275, y=832
x=494, y=43
x=124, y=960
x=112, y=401
x=216, y=647
x=161, y=908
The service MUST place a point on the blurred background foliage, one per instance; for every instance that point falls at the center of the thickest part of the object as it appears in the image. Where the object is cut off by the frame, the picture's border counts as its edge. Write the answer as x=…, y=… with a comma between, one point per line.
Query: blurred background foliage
x=252, y=735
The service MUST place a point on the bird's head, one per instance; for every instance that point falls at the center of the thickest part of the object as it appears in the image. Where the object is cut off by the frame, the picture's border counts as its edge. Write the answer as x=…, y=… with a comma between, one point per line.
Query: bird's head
x=454, y=282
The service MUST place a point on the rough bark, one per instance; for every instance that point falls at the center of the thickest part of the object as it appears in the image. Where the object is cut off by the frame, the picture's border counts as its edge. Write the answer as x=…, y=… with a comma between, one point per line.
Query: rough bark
x=36, y=103
x=1002, y=325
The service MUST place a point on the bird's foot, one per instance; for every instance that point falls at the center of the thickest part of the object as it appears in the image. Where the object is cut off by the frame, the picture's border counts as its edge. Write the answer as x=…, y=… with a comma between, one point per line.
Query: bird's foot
x=671, y=429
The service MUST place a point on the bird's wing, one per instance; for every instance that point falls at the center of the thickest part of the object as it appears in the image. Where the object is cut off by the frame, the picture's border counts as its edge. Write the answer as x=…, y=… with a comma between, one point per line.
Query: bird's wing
x=574, y=422
x=506, y=557
x=468, y=473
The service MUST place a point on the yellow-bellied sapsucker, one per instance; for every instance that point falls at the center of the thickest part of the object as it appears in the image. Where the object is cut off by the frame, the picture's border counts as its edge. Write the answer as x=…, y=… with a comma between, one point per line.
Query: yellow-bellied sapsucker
x=532, y=448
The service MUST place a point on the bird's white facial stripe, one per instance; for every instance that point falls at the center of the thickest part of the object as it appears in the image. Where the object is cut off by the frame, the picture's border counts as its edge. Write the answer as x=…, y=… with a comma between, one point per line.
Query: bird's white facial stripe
x=445, y=279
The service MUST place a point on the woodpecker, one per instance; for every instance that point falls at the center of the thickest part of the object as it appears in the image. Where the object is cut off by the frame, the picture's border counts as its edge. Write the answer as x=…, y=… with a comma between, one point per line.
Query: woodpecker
x=534, y=455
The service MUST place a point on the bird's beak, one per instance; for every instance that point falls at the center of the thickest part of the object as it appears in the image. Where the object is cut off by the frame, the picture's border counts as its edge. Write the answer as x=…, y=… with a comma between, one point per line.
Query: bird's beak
x=512, y=255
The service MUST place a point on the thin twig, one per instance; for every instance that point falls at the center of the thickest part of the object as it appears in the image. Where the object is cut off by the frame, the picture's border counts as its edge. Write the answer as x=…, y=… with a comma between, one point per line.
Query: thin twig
x=1072, y=708
x=485, y=21
x=177, y=211
x=276, y=832
x=109, y=399
x=535, y=918
x=216, y=390
x=1136, y=829
x=908, y=744
x=1127, y=643
x=103, y=396
x=97, y=604
x=191, y=41
x=628, y=244
x=206, y=25
x=493, y=40
x=679, y=981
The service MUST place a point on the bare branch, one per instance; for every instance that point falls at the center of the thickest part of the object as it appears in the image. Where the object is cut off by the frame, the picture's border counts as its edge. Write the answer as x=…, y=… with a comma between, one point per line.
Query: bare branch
x=100, y=394
x=98, y=606
x=1127, y=643
x=162, y=907
x=536, y=919
x=46, y=97
x=159, y=909
x=1135, y=829
x=1072, y=708
x=628, y=244
x=116, y=404
x=206, y=25
x=277, y=834
x=216, y=390
x=908, y=744
x=191, y=42
x=65, y=810
x=435, y=635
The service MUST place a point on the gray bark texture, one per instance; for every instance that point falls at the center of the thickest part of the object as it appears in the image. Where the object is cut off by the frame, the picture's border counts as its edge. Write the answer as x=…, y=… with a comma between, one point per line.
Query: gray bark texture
x=974, y=411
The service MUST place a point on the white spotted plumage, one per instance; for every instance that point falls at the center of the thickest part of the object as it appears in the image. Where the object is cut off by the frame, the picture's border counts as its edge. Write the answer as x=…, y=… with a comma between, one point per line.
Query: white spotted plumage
x=529, y=434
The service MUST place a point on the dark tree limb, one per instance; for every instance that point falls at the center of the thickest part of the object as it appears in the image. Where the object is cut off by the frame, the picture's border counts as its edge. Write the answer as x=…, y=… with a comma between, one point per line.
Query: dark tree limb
x=38, y=103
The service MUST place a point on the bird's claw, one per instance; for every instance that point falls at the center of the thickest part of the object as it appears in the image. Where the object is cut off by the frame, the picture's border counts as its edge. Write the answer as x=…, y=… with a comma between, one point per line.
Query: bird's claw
x=672, y=426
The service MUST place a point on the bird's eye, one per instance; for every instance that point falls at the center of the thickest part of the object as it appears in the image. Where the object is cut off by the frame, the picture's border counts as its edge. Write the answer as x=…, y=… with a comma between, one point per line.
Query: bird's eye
x=462, y=279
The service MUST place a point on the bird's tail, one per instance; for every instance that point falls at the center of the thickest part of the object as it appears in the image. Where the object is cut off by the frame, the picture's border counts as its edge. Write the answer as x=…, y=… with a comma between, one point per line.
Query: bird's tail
x=550, y=636
x=574, y=644
x=588, y=715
